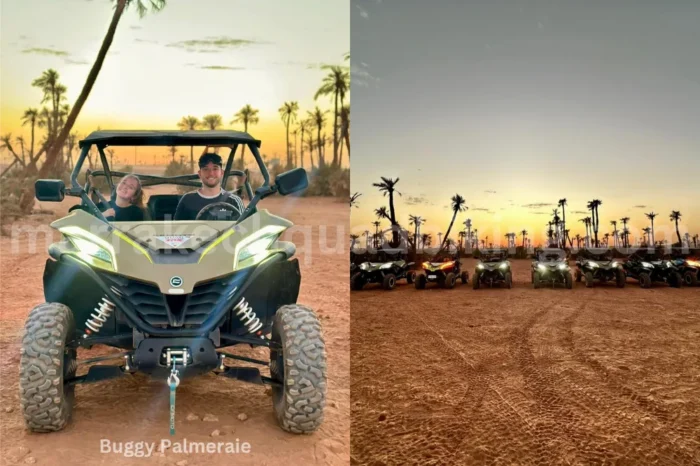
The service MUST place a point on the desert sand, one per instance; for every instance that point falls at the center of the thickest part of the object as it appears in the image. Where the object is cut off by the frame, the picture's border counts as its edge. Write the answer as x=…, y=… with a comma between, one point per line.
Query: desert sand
x=523, y=376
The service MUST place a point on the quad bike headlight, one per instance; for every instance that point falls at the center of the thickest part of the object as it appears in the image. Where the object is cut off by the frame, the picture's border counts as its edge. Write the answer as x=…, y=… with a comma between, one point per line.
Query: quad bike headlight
x=503, y=266
x=255, y=247
x=92, y=249
x=669, y=264
x=364, y=266
x=693, y=263
x=480, y=266
x=385, y=266
x=542, y=267
x=563, y=266
x=615, y=264
x=592, y=264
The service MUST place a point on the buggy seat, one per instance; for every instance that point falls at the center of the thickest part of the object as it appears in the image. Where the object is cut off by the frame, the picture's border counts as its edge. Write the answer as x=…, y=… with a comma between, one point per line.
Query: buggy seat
x=163, y=206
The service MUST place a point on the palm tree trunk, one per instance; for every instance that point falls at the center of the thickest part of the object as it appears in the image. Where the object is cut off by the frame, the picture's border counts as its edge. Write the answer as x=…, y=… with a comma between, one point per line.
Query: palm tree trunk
x=678, y=232
x=335, y=131
x=52, y=153
x=245, y=129
x=394, y=233
x=321, y=160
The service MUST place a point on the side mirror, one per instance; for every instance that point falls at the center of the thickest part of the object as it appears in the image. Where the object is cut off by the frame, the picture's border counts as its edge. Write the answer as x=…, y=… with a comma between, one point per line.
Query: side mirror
x=50, y=190
x=291, y=181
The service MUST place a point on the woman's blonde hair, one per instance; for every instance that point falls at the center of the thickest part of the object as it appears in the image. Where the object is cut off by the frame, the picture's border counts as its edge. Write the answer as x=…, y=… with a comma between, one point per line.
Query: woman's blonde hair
x=137, y=200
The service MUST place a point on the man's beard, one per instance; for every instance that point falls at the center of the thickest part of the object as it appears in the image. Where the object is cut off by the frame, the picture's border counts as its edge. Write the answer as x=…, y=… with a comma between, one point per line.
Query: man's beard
x=210, y=184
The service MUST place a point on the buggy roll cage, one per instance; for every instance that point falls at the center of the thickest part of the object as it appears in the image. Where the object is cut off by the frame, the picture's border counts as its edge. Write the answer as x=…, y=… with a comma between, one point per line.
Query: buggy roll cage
x=103, y=139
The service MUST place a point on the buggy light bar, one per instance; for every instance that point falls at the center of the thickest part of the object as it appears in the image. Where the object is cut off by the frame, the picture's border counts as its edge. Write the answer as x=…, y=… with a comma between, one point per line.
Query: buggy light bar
x=91, y=248
x=254, y=248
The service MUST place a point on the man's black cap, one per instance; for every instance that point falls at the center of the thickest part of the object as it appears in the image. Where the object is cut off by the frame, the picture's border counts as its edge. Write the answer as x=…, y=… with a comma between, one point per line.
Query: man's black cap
x=209, y=157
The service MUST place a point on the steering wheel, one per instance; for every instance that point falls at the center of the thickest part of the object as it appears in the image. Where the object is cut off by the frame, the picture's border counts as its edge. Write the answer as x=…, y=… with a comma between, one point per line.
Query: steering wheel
x=219, y=211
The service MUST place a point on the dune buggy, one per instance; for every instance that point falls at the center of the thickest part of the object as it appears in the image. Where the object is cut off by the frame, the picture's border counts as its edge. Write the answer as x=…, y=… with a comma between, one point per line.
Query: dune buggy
x=171, y=294
x=599, y=265
x=443, y=271
x=688, y=268
x=649, y=266
x=385, y=273
x=551, y=267
x=492, y=269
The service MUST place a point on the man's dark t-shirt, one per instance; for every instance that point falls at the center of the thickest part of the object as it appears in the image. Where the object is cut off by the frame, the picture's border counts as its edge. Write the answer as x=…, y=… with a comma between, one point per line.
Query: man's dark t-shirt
x=192, y=203
x=131, y=213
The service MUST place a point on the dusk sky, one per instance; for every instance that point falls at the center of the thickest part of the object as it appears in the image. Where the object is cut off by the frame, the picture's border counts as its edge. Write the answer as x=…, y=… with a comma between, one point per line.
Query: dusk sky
x=516, y=104
x=208, y=56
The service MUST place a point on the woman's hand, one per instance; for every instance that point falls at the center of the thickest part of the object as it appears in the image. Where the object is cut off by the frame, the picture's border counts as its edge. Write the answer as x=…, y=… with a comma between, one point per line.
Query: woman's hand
x=109, y=213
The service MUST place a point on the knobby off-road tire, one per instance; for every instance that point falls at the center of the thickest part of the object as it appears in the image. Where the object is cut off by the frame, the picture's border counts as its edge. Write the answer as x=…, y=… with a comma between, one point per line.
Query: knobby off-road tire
x=299, y=403
x=578, y=276
x=356, y=282
x=389, y=281
x=645, y=280
x=410, y=277
x=465, y=277
x=475, y=281
x=45, y=363
x=675, y=280
x=568, y=279
x=589, y=279
x=509, y=280
x=620, y=278
x=449, y=281
x=420, y=282
x=536, y=280
x=690, y=278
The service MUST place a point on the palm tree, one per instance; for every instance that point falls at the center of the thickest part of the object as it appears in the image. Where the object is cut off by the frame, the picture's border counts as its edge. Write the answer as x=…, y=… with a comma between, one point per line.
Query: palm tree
x=353, y=199
x=318, y=118
x=417, y=221
x=523, y=233
x=695, y=240
x=614, y=225
x=625, y=232
x=376, y=224
x=337, y=84
x=578, y=241
x=53, y=151
x=212, y=121
x=676, y=217
x=366, y=233
x=248, y=116
x=388, y=186
x=425, y=240
x=462, y=234
x=344, y=132
x=382, y=213
x=651, y=216
x=593, y=207
x=606, y=237
x=353, y=238
x=30, y=117
x=189, y=123
x=562, y=203
x=458, y=205
x=647, y=235
x=288, y=113
x=304, y=126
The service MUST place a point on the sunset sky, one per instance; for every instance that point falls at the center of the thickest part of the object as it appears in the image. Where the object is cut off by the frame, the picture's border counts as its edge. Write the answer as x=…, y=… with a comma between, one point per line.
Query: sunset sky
x=192, y=58
x=515, y=105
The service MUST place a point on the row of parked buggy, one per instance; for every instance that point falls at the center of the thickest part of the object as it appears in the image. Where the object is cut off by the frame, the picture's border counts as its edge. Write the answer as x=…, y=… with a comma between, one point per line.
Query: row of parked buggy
x=550, y=267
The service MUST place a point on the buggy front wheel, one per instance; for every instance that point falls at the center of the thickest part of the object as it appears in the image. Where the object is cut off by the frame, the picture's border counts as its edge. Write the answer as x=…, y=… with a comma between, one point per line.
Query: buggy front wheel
x=389, y=281
x=509, y=280
x=569, y=281
x=465, y=277
x=298, y=363
x=46, y=363
x=410, y=277
x=420, y=282
x=690, y=278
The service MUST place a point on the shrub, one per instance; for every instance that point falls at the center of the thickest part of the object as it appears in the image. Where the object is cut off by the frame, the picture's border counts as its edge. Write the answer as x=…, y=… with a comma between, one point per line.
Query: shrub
x=176, y=168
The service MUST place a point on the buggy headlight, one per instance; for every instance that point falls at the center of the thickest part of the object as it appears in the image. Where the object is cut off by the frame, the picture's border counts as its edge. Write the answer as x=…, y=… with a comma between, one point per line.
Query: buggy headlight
x=480, y=266
x=592, y=264
x=648, y=265
x=364, y=266
x=385, y=266
x=693, y=263
x=503, y=266
x=563, y=266
x=669, y=264
x=542, y=267
x=91, y=248
x=615, y=264
x=254, y=247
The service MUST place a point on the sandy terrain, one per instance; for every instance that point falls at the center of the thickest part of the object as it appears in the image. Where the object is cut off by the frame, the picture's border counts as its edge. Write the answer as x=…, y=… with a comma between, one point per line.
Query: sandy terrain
x=524, y=376
x=136, y=409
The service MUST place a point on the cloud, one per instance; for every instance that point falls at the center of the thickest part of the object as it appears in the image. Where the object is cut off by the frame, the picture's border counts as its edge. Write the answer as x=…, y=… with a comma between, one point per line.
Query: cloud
x=145, y=41
x=415, y=200
x=539, y=213
x=480, y=209
x=640, y=207
x=579, y=211
x=46, y=51
x=490, y=191
x=361, y=76
x=221, y=68
x=135, y=27
x=70, y=61
x=537, y=205
x=213, y=44
x=363, y=12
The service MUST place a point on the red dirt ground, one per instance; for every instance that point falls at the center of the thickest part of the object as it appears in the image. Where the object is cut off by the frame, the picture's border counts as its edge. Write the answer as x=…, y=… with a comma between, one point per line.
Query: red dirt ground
x=525, y=376
x=135, y=409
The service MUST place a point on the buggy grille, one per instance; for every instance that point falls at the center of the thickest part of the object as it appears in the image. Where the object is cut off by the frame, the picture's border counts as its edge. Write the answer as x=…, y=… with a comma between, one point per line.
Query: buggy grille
x=161, y=310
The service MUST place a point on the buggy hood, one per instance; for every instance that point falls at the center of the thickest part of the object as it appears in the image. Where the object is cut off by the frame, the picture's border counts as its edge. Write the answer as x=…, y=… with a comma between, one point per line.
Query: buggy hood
x=173, y=255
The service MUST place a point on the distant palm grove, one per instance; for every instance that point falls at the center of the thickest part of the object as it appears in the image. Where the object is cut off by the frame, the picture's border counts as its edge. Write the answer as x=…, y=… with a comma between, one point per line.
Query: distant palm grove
x=51, y=149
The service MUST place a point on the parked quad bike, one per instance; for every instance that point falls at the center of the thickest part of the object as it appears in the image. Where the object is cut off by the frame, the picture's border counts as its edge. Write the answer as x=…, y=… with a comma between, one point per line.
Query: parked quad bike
x=384, y=273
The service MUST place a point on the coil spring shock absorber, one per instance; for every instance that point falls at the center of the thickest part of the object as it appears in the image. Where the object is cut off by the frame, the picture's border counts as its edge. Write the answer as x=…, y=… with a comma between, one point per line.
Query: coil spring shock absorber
x=99, y=317
x=246, y=315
